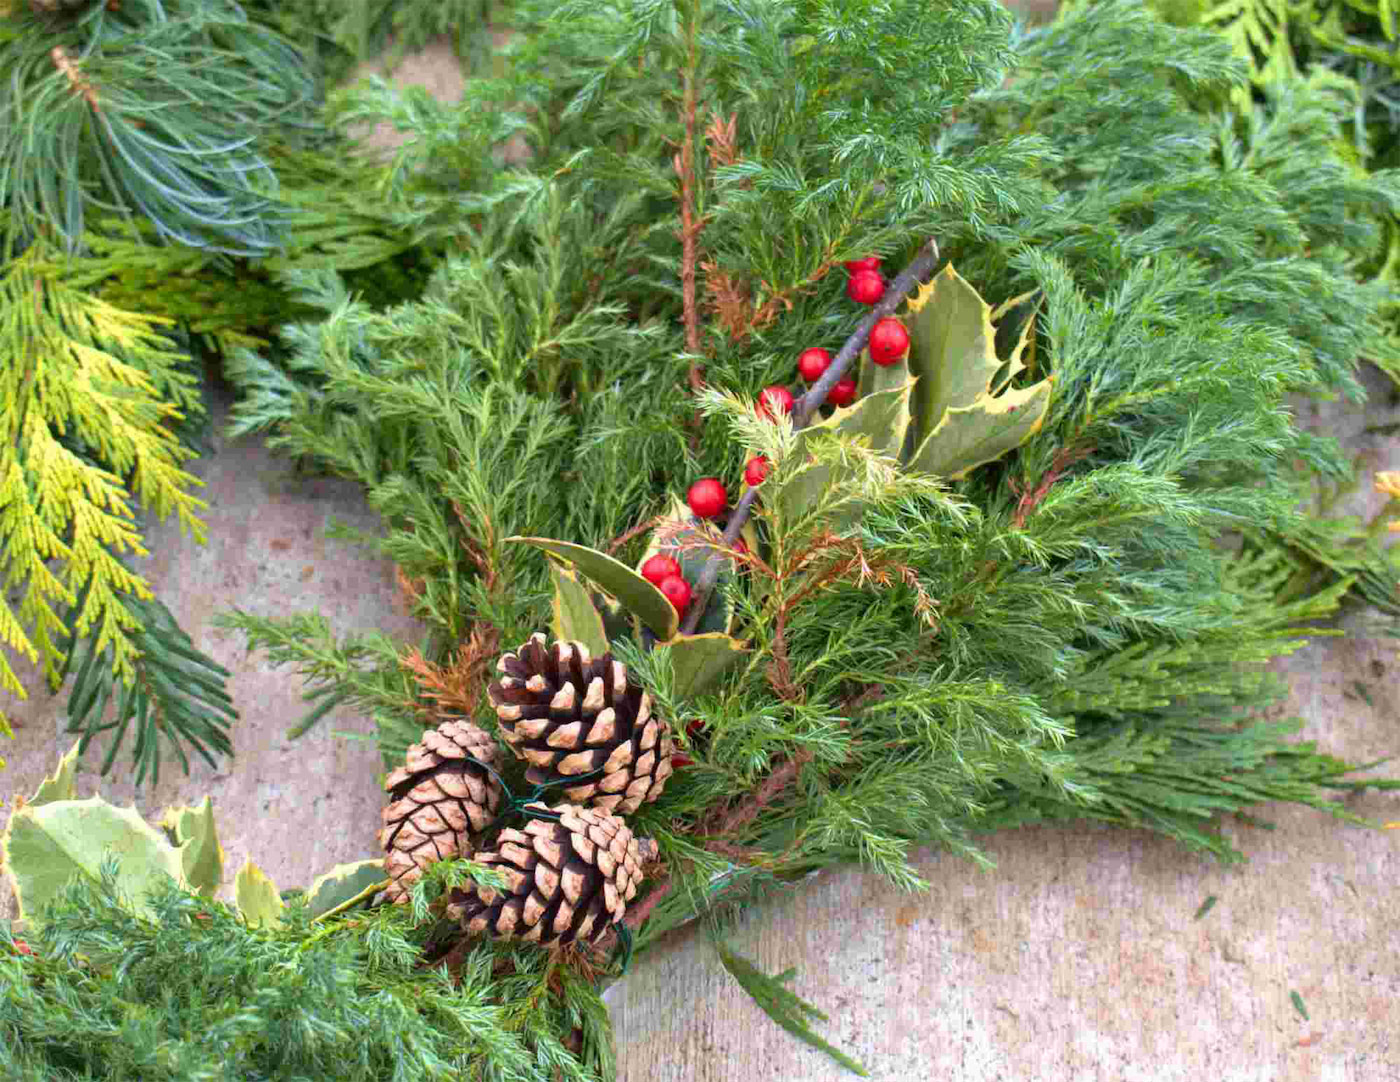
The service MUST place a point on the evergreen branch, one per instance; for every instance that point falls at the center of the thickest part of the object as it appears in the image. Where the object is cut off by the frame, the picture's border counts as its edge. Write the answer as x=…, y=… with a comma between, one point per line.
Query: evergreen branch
x=139, y=126
x=90, y=409
x=174, y=691
x=780, y=1004
x=305, y=641
x=107, y=994
x=1029, y=498
x=803, y=409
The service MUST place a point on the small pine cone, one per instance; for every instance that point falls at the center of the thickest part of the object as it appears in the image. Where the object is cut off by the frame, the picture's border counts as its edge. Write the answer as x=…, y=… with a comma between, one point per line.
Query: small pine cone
x=437, y=799
x=566, y=714
x=566, y=881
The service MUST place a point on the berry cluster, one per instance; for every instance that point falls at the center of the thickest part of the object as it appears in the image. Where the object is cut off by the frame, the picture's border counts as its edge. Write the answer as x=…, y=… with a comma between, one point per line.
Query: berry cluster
x=665, y=573
x=889, y=341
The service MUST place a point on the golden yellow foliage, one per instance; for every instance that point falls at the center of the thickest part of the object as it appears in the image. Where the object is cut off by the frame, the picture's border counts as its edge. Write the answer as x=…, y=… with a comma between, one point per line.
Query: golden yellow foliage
x=87, y=391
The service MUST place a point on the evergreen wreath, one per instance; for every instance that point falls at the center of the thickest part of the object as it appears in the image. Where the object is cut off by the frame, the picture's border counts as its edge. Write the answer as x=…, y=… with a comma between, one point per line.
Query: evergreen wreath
x=992, y=589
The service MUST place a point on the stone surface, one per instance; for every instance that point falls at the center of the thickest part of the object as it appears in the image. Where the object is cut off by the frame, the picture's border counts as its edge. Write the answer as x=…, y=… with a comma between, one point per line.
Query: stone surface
x=1080, y=956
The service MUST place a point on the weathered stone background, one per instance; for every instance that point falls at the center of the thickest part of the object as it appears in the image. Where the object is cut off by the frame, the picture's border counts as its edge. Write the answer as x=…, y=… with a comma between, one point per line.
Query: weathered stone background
x=1079, y=958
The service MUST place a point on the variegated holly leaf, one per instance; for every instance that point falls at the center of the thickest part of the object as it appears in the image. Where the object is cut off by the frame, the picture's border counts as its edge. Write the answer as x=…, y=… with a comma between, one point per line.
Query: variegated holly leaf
x=201, y=854
x=698, y=661
x=576, y=618
x=881, y=419
x=257, y=897
x=965, y=411
x=640, y=597
x=46, y=845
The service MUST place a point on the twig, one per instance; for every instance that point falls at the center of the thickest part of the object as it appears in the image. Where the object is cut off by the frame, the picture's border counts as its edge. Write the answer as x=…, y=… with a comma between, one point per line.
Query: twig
x=806, y=406
x=1031, y=498
x=69, y=68
x=690, y=227
x=746, y=812
x=640, y=528
x=639, y=912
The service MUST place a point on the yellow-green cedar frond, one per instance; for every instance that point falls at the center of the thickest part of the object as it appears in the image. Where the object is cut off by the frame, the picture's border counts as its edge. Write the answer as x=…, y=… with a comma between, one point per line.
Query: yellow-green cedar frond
x=87, y=393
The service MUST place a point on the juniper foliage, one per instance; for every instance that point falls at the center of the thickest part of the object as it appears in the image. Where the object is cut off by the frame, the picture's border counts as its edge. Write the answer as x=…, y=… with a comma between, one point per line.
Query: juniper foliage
x=196, y=993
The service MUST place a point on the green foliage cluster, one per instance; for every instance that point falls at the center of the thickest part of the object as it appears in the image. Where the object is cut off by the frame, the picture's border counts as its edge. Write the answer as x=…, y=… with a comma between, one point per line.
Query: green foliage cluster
x=130, y=110
x=536, y=390
x=1060, y=634
x=145, y=260
x=195, y=992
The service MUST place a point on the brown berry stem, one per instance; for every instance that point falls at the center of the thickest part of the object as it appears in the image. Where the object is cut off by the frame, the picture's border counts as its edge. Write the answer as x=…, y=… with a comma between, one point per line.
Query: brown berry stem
x=806, y=406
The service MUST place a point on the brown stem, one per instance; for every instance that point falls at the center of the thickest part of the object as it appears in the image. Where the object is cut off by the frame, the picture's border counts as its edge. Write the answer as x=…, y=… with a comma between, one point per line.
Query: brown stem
x=639, y=912
x=747, y=811
x=640, y=528
x=69, y=68
x=806, y=406
x=690, y=225
x=782, y=683
x=1030, y=499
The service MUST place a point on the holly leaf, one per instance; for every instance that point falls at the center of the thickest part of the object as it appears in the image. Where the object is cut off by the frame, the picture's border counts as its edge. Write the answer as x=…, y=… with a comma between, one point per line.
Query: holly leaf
x=202, y=856
x=575, y=616
x=258, y=900
x=344, y=884
x=59, y=784
x=699, y=660
x=965, y=412
x=888, y=427
x=640, y=597
x=881, y=418
x=46, y=845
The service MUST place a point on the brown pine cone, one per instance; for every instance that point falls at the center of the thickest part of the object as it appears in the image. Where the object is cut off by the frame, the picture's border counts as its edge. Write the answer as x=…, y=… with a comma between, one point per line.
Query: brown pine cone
x=437, y=799
x=566, y=881
x=566, y=714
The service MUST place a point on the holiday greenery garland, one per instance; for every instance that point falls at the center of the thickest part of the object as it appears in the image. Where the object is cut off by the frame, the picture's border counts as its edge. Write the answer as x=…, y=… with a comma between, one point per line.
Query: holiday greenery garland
x=985, y=586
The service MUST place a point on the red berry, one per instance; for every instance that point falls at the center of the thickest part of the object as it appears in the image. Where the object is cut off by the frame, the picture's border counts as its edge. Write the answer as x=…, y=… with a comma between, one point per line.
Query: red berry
x=812, y=363
x=678, y=761
x=755, y=470
x=695, y=727
x=659, y=567
x=889, y=341
x=677, y=591
x=870, y=262
x=865, y=286
x=23, y=947
x=706, y=498
x=843, y=394
x=774, y=397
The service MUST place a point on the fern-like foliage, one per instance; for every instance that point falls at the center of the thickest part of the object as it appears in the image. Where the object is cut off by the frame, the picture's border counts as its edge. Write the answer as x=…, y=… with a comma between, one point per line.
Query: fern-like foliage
x=92, y=398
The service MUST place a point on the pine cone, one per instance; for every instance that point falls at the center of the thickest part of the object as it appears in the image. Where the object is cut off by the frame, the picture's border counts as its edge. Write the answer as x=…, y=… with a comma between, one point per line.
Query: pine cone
x=439, y=797
x=565, y=881
x=562, y=733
